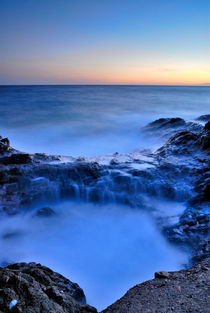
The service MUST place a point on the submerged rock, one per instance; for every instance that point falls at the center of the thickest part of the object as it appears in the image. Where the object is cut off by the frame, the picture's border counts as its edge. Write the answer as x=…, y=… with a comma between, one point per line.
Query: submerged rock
x=45, y=212
x=33, y=288
x=183, y=291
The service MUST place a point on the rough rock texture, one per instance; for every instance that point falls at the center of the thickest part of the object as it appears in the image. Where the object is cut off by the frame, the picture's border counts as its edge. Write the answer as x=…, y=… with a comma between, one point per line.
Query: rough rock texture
x=4, y=145
x=178, y=171
x=185, y=291
x=187, y=142
x=38, y=289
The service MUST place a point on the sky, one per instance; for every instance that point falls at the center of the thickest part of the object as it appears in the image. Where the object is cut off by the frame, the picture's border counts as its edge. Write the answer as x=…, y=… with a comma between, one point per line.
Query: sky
x=105, y=42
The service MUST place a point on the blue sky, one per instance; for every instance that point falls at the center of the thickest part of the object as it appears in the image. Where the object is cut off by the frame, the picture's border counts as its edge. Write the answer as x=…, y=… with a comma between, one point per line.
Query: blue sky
x=88, y=42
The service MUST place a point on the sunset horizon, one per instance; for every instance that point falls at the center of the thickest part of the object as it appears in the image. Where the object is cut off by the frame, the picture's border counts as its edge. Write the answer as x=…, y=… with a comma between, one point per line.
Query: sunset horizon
x=136, y=43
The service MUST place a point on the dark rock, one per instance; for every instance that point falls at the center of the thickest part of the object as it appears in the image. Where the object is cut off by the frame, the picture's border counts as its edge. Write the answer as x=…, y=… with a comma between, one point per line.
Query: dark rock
x=114, y=161
x=38, y=289
x=203, y=218
x=4, y=145
x=167, y=127
x=11, y=235
x=16, y=158
x=10, y=210
x=166, y=122
x=183, y=291
x=161, y=274
x=207, y=126
x=45, y=212
x=204, y=140
x=181, y=143
x=204, y=118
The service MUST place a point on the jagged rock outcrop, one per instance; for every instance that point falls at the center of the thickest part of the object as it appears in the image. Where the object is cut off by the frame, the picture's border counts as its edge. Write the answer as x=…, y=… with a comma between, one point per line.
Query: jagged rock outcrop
x=185, y=291
x=33, y=288
x=187, y=142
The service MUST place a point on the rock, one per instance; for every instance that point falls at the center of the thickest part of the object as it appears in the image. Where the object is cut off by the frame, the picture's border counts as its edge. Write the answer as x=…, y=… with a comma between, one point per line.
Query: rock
x=114, y=161
x=179, y=171
x=186, y=142
x=10, y=188
x=10, y=210
x=166, y=123
x=45, y=212
x=33, y=288
x=4, y=145
x=204, y=118
x=204, y=140
x=184, y=291
x=161, y=274
x=207, y=126
x=16, y=158
x=168, y=127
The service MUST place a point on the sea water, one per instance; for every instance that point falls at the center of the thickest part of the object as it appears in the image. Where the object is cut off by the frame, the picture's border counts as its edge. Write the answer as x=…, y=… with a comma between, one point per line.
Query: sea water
x=105, y=248
x=91, y=120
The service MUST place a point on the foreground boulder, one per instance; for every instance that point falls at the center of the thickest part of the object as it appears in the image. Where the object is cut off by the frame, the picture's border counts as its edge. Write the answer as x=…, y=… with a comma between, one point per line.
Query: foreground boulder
x=184, y=291
x=33, y=288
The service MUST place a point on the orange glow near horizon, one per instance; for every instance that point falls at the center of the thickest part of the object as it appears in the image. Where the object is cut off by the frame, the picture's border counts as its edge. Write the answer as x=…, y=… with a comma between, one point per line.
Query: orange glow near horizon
x=138, y=76
x=105, y=42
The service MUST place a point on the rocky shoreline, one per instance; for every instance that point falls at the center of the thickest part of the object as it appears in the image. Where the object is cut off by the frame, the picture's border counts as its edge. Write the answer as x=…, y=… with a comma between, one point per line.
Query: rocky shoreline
x=27, y=288
x=34, y=288
x=178, y=171
x=185, y=291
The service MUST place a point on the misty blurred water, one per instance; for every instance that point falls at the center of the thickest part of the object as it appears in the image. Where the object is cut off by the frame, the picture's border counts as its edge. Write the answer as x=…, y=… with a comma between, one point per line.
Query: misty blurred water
x=105, y=249
x=91, y=120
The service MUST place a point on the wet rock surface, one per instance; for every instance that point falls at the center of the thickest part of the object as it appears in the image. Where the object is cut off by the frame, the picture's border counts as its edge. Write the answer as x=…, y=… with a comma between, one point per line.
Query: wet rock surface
x=167, y=127
x=45, y=212
x=33, y=288
x=178, y=292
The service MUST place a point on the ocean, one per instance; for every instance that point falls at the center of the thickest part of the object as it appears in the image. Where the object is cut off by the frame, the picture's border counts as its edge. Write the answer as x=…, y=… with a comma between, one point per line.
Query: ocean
x=91, y=120
x=106, y=247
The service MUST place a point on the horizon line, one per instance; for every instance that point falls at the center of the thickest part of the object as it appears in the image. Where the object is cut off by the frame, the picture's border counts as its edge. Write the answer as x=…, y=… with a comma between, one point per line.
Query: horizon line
x=175, y=85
